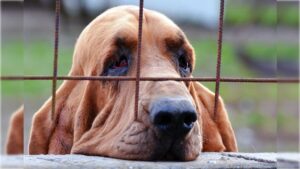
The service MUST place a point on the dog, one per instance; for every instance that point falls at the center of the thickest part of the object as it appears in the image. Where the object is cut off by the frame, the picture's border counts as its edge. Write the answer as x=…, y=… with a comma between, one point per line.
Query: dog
x=175, y=120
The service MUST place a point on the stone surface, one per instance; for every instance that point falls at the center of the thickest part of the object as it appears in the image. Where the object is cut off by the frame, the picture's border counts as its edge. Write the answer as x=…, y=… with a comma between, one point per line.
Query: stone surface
x=288, y=160
x=205, y=160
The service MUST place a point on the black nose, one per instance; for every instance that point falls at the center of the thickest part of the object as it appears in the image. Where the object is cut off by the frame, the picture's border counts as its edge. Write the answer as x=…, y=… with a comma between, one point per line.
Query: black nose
x=173, y=116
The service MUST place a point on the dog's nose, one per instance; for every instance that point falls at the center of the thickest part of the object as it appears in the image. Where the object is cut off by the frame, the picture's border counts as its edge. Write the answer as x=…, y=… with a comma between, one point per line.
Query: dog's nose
x=173, y=116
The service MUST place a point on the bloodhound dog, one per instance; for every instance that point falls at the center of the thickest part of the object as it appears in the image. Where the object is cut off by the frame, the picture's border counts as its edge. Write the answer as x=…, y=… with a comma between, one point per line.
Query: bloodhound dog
x=175, y=120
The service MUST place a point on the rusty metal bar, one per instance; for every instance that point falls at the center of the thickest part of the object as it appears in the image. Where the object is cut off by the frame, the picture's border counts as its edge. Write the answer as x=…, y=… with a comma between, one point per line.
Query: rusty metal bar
x=138, y=60
x=218, y=69
x=124, y=78
x=55, y=60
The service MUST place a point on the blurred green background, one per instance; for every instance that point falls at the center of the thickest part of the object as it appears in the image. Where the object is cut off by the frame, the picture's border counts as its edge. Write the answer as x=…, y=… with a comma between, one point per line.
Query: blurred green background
x=260, y=40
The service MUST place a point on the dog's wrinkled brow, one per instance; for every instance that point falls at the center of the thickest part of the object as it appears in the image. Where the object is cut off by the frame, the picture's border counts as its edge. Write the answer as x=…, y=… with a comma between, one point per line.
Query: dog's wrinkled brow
x=123, y=41
x=174, y=44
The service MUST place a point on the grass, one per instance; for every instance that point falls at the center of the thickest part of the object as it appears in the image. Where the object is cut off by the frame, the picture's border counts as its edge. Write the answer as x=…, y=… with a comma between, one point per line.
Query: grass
x=263, y=51
x=242, y=13
x=288, y=52
x=206, y=53
x=267, y=15
x=289, y=15
x=238, y=14
x=33, y=58
x=260, y=51
x=12, y=54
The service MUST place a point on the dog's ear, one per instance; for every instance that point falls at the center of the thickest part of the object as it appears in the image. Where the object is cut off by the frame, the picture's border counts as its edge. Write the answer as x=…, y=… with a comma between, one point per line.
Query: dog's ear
x=44, y=125
x=218, y=134
x=75, y=110
x=15, y=139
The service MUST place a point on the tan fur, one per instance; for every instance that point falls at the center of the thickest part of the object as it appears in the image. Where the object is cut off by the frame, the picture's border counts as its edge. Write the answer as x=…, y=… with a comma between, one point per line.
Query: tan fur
x=97, y=118
x=14, y=144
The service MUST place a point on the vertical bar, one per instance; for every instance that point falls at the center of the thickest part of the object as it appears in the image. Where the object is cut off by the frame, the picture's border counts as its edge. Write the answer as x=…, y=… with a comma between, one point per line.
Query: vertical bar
x=1, y=134
x=56, y=41
x=138, y=60
x=218, y=68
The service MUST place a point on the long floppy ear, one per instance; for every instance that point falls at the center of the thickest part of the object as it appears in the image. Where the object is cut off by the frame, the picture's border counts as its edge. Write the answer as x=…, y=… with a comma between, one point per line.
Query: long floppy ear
x=43, y=126
x=76, y=102
x=15, y=139
x=218, y=134
x=76, y=109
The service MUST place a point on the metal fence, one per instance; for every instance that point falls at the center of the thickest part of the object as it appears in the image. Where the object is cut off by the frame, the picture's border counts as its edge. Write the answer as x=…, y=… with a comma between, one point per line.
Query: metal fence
x=217, y=79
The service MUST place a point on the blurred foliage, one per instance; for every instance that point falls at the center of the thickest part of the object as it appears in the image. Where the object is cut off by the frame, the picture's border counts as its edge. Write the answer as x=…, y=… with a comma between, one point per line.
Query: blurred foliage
x=266, y=15
x=263, y=51
x=33, y=58
x=288, y=52
x=12, y=58
x=206, y=52
x=239, y=14
x=250, y=108
x=288, y=15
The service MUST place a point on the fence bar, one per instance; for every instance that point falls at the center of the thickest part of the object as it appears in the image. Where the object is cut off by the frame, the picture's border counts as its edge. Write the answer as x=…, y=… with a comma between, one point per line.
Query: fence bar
x=124, y=78
x=218, y=69
x=138, y=60
x=110, y=78
x=56, y=42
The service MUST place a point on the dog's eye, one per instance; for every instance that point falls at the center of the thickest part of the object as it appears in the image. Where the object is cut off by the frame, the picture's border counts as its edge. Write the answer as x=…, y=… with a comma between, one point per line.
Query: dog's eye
x=182, y=62
x=184, y=65
x=123, y=62
x=118, y=67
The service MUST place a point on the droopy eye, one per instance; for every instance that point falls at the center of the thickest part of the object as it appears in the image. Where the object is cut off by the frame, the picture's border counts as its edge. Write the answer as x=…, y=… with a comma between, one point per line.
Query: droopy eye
x=184, y=65
x=121, y=63
x=118, y=67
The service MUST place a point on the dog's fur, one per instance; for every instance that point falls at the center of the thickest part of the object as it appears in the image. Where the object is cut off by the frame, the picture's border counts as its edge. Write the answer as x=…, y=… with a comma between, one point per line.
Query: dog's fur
x=97, y=118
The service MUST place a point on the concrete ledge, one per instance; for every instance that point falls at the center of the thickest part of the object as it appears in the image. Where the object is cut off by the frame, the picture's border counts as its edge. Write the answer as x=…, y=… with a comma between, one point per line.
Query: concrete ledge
x=205, y=160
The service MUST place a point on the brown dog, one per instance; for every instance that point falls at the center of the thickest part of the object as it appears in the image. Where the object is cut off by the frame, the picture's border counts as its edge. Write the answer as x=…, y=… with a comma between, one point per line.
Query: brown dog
x=175, y=120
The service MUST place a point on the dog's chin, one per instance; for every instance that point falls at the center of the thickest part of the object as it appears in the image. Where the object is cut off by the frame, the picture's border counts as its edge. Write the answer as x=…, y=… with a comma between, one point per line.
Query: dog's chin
x=143, y=143
x=173, y=152
x=174, y=149
x=138, y=142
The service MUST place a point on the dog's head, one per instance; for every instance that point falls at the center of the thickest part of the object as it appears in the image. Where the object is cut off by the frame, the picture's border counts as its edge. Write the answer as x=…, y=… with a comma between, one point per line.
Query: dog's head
x=168, y=125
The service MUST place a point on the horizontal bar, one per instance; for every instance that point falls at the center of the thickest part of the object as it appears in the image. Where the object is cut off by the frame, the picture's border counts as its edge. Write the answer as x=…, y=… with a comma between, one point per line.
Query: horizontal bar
x=113, y=78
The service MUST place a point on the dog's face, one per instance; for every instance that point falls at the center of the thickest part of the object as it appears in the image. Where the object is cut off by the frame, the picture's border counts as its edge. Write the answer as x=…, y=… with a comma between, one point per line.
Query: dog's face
x=175, y=120
x=168, y=124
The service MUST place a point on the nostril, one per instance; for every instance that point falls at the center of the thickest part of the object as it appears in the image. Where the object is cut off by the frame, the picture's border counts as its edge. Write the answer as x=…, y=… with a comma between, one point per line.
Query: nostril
x=163, y=120
x=188, y=119
x=173, y=116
